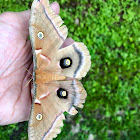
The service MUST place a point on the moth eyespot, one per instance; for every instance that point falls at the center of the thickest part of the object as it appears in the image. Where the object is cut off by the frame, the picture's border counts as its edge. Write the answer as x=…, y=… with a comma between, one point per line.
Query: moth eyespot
x=40, y=35
x=62, y=93
x=65, y=62
x=39, y=116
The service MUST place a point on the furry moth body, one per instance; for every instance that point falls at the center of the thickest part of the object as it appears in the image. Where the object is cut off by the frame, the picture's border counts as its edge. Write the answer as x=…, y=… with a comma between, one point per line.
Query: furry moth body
x=56, y=73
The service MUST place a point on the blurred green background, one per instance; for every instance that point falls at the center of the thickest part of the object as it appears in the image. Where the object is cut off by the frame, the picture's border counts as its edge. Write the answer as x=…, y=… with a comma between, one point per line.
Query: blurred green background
x=110, y=29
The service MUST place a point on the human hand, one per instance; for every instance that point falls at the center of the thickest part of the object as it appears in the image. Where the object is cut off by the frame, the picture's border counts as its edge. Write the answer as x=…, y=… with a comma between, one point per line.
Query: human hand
x=15, y=58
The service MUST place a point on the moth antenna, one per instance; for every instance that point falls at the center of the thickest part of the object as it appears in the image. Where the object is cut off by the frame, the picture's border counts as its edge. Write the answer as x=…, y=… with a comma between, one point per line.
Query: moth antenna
x=28, y=82
x=29, y=72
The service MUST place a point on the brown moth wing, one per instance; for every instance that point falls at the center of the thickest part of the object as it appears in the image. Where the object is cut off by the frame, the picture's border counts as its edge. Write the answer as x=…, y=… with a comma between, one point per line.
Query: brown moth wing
x=44, y=20
x=51, y=113
x=52, y=119
x=80, y=57
x=52, y=107
x=76, y=95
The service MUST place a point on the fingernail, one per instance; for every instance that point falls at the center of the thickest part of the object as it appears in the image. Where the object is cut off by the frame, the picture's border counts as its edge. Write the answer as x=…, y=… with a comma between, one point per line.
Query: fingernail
x=55, y=2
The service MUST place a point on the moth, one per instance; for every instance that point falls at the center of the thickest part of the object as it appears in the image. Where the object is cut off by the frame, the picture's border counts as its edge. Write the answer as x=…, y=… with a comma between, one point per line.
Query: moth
x=55, y=74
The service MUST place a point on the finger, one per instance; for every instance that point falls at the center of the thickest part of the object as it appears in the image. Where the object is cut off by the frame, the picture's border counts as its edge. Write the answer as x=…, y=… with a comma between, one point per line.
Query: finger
x=68, y=42
x=25, y=15
x=56, y=8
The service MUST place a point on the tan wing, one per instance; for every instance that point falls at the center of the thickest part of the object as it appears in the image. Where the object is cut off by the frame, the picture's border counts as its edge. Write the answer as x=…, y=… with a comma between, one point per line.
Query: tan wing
x=51, y=106
x=47, y=127
x=77, y=56
x=46, y=31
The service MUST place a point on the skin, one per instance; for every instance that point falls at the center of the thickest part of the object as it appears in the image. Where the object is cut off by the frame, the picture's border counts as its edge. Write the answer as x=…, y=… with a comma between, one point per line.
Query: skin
x=15, y=58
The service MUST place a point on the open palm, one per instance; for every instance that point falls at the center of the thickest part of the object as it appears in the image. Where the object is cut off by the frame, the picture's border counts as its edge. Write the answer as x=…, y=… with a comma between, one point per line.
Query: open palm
x=15, y=58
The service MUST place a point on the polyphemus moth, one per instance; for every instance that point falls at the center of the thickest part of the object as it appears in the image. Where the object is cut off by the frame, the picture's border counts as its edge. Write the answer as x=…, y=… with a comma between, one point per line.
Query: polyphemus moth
x=56, y=73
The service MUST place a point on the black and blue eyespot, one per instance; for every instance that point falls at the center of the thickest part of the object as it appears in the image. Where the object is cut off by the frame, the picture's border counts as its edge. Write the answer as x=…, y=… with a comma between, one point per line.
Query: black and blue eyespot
x=62, y=93
x=65, y=62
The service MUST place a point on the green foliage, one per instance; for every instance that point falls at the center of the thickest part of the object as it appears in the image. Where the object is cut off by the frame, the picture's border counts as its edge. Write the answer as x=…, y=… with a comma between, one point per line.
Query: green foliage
x=110, y=29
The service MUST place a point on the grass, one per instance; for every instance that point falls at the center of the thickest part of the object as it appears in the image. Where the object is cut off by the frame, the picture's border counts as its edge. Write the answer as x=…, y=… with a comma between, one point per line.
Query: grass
x=110, y=29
